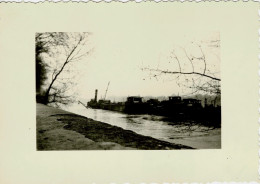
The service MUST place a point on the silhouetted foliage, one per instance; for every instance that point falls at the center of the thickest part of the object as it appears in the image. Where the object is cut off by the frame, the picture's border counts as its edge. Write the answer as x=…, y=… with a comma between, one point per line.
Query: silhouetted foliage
x=55, y=51
x=192, y=69
x=41, y=70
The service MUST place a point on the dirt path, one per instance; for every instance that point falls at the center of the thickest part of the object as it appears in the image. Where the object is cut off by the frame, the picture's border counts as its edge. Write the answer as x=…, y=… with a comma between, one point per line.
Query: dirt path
x=62, y=130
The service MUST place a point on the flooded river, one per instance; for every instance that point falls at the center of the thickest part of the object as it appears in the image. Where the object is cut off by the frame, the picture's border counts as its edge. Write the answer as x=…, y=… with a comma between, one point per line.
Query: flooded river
x=153, y=126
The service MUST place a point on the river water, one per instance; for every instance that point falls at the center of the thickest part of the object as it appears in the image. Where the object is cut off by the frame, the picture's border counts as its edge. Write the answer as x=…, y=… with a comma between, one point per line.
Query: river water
x=150, y=125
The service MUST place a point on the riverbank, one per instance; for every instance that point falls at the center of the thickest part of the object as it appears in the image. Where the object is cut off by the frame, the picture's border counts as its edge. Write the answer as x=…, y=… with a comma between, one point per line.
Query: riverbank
x=61, y=130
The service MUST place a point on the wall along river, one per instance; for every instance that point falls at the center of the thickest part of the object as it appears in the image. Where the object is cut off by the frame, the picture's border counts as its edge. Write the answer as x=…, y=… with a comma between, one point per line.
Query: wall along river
x=195, y=136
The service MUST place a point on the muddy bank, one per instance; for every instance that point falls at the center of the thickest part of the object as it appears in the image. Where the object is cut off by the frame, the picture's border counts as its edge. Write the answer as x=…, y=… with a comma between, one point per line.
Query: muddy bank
x=61, y=130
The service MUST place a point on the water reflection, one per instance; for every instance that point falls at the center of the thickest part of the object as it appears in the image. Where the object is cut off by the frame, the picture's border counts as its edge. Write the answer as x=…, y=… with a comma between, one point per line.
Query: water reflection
x=151, y=125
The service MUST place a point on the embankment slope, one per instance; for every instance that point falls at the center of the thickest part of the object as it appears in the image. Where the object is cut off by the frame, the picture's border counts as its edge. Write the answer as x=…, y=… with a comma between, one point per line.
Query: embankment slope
x=61, y=130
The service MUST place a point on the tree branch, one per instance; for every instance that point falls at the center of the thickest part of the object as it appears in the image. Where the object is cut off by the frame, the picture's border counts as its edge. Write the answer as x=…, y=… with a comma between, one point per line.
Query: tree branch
x=184, y=73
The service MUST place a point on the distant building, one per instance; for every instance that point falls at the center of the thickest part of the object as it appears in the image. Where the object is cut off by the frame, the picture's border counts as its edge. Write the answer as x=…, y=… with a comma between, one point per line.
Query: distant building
x=191, y=102
x=175, y=99
x=153, y=101
x=134, y=99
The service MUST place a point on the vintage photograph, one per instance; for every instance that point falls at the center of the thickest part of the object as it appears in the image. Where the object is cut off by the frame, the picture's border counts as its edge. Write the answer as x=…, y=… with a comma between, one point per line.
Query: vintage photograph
x=133, y=92
x=95, y=92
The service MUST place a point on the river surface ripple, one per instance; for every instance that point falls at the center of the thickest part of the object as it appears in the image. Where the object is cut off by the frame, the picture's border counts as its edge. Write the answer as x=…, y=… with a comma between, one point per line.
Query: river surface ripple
x=150, y=125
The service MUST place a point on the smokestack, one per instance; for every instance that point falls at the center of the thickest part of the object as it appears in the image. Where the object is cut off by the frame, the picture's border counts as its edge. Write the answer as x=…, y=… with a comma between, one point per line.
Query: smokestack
x=96, y=91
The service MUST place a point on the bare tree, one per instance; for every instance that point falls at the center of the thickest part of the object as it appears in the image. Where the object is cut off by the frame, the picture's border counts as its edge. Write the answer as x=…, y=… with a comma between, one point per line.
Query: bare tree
x=191, y=68
x=59, y=51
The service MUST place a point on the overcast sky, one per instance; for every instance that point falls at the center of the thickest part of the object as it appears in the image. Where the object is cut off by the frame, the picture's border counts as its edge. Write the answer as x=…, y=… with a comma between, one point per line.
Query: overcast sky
x=123, y=46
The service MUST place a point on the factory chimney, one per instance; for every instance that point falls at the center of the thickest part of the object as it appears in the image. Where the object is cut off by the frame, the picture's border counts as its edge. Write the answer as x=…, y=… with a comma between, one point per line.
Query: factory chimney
x=96, y=92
